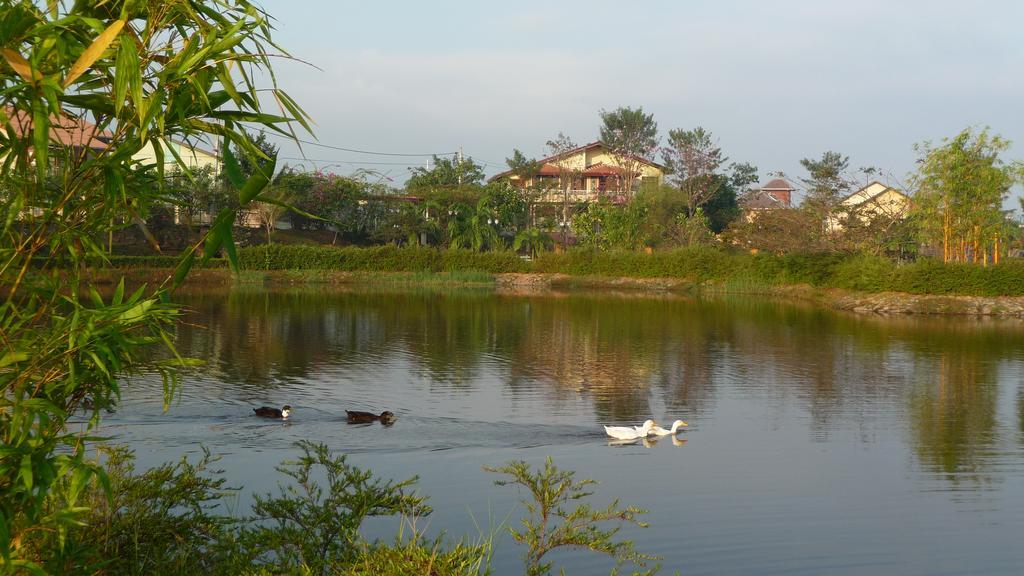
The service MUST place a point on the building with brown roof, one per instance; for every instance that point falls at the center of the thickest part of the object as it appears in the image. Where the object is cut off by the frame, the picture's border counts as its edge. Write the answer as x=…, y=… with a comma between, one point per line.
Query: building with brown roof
x=592, y=173
x=775, y=195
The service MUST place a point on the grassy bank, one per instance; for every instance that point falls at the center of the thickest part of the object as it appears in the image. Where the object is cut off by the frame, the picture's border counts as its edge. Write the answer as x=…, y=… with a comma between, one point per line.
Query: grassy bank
x=706, y=266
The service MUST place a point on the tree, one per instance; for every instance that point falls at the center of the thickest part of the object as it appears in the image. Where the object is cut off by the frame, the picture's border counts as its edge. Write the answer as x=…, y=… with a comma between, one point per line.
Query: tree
x=508, y=205
x=693, y=159
x=632, y=137
x=569, y=171
x=523, y=167
x=826, y=181
x=270, y=207
x=446, y=172
x=196, y=192
x=473, y=227
x=533, y=240
x=141, y=73
x=960, y=188
x=247, y=164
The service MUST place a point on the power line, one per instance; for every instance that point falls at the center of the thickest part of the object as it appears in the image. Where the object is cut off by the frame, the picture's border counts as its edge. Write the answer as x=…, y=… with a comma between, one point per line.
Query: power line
x=331, y=161
x=356, y=151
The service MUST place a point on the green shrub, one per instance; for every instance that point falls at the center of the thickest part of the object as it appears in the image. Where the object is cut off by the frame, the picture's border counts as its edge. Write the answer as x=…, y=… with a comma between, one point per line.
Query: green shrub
x=551, y=525
x=698, y=264
x=316, y=527
x=864, y=273
x=157, y=262
x=388, y=258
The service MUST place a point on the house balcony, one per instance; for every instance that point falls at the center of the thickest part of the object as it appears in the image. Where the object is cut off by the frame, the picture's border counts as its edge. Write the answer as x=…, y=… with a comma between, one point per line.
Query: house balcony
x=580, y=196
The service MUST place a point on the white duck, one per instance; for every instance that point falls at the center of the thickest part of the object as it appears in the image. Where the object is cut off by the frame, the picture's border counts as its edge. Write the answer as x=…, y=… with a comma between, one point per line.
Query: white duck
x=630, y=432
x=659, y=431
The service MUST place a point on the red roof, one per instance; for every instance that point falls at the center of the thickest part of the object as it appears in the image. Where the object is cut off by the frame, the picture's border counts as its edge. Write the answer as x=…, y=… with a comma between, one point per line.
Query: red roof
x=778, y=184
x=547, y=161
x=64, y=130
x=602, y=169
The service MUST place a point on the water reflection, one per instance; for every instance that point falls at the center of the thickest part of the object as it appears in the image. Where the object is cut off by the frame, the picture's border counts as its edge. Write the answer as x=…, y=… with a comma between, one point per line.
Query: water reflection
x=626, y=359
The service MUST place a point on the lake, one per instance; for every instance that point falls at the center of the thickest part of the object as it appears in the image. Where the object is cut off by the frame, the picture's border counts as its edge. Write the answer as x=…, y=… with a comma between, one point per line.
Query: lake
x=819, y=443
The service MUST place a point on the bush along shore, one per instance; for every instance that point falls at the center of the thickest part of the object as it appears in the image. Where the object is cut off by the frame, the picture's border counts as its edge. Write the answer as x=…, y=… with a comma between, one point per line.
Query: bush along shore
x=844, y=281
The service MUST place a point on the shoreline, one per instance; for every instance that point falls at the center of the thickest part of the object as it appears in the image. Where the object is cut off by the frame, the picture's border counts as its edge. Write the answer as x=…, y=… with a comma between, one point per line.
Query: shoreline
x=537, y=283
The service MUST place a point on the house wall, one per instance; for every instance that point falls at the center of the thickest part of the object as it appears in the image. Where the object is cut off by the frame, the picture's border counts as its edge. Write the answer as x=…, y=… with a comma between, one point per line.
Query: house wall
x=192, y=157
x=581, y=160
x=874, y=200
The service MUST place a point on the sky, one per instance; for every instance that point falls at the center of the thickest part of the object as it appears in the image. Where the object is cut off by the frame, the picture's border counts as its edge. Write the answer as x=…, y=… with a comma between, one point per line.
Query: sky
x=773, y=80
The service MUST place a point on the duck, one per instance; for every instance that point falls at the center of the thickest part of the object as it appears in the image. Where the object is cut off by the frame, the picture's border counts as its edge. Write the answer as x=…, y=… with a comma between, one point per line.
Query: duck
x=268, y=412
x=659, y=431
x=630, y=432
x=356, y=417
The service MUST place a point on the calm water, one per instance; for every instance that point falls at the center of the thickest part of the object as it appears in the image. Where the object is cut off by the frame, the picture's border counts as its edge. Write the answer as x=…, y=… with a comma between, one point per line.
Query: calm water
x=819, y=443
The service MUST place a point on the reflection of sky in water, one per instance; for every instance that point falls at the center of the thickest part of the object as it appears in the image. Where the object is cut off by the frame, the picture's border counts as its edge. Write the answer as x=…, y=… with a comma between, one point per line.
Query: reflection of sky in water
x=819, y=443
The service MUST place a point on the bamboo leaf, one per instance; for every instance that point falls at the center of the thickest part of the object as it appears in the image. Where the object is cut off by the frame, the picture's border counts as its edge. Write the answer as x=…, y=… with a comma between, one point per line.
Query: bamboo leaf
x=232, y=168
x=182, y=270
x=136, y=312
x=93, y=52
x=25, y=471
x=229, y=248
x=127, y=77
x=118, y=292
x=257, y=182
x=12, y=358
x=20, y=65
x=40, y=137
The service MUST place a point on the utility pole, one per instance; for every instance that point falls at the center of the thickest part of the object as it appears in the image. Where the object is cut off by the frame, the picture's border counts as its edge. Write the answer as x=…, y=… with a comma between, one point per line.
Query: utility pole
x=458, y=169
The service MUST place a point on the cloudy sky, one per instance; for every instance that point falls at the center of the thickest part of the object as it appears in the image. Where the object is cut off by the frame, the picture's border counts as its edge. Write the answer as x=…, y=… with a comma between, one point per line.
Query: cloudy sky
x=774, y=80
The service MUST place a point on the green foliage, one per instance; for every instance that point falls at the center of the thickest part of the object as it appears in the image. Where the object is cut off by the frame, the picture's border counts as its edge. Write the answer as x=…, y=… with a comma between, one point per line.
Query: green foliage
x=317, y=527
x=249, y=164
x=378, y=258
x=551, y=525
x=533, y=241
x=631, y=136
x=139, y=74
x=159, y=522
x=197, y=191
x=474, y=226
x=446, y=173
x=155, y=262
x=508, y=205
x=826, y=180
x=332, y=199
x=606, y=226
x=418, y=555
x=522, y=166
x=169, y=520
x=961, y=186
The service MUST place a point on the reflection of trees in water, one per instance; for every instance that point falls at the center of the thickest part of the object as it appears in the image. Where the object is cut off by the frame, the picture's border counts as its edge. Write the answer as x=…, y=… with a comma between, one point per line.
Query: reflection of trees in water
x=614, y=351
x=952, y=410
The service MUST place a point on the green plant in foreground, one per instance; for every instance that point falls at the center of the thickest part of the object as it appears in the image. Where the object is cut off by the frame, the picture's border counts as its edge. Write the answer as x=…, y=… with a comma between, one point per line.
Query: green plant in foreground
x=417, y=555
x=85, y=87
x=551, y=525
x=317, y=527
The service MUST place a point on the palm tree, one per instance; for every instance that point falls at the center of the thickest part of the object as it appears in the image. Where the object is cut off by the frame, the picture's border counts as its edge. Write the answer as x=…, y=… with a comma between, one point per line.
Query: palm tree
x=473, y=227
x=534, y=240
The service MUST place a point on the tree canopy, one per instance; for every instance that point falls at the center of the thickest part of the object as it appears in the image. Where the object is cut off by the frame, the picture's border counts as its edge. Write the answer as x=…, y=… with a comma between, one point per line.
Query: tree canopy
x=632, y=136
x=131, y=75
x=446, y=172
x=960, y=187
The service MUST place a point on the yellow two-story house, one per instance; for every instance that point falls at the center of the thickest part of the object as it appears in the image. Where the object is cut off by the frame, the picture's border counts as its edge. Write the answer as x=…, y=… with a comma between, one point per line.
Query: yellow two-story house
x=590, y=173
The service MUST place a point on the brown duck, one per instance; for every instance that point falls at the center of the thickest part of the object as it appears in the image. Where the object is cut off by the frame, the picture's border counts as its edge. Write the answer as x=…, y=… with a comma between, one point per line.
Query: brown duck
x=355, y=417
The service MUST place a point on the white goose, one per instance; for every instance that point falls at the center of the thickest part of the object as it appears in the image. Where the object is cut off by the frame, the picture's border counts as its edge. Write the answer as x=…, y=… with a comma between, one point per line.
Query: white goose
x=630, y=432
x=659, y=431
